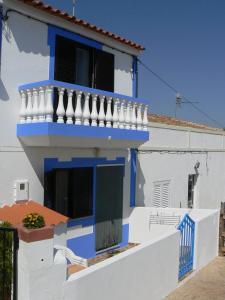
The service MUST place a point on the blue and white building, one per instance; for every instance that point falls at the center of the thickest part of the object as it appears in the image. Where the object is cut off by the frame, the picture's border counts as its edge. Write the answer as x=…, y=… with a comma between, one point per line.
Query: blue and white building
x=71, y=121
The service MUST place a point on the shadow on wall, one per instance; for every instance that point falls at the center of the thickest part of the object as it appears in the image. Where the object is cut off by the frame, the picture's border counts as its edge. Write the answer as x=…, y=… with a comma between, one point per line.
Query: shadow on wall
x=3, y=92
x=33, y=155
x=140, y=196
x=28, y=41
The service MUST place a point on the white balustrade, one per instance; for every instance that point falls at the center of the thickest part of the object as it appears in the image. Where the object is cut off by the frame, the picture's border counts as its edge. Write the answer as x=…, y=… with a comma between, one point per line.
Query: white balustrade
x=121, y=115
x=23, y=107
x=41, y=108
x=128, y=118
x=133, y=117
x=139, y=117
x=145, y=118
x=86, y=112
x=115, y=117
x=29, y=110
x=69, y=109
x=49, y=104
x=94, y=113
x=37, y=105
x=108, y=116
x=101, y=115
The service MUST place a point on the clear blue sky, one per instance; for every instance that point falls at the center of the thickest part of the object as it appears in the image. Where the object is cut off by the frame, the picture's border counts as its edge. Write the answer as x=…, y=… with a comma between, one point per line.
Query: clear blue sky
x=185, y=44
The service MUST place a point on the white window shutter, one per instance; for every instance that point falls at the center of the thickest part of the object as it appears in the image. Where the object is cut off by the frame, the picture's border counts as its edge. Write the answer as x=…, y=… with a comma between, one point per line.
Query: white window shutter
x=161, y=194
x=165, y=194
x=157, y=195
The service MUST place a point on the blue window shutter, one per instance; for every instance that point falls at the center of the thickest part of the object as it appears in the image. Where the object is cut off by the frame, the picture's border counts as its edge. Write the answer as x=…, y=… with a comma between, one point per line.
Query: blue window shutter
x=133, y=172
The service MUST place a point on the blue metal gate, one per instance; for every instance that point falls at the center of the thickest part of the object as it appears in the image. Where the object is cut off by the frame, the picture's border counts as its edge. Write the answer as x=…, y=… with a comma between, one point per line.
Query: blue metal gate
x=187, y=230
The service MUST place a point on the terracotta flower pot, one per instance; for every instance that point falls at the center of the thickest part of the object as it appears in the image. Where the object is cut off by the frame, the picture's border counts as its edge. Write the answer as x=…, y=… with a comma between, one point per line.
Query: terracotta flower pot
x=33, y=235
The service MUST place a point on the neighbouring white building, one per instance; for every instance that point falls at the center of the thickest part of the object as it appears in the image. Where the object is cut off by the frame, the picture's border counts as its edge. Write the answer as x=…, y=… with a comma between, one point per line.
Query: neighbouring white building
x=182, y=165
x=76, y=139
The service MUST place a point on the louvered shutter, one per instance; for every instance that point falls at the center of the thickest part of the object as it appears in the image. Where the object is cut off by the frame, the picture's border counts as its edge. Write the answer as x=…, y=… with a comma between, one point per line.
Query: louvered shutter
x=157, y=195
x=161, y=194
x=165, y=194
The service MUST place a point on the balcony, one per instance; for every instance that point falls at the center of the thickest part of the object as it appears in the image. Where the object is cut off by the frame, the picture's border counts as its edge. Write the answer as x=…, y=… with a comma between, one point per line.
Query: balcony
x=55, y=113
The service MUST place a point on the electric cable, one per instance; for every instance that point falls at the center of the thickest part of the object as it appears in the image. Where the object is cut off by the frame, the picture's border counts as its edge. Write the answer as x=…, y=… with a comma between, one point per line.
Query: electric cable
x=184, y=97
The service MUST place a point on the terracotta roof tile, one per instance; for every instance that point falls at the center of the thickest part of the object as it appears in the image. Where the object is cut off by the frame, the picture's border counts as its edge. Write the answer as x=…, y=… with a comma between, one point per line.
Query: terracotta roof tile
x=58, y=13
x=155, y=118
x=16, y=212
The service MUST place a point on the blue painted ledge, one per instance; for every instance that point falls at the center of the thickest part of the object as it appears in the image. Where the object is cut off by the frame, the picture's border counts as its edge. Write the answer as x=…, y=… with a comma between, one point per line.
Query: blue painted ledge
x=53, y=134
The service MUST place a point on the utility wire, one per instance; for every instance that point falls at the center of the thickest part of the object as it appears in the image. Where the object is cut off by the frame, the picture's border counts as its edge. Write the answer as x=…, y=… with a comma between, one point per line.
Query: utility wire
x=176, y=91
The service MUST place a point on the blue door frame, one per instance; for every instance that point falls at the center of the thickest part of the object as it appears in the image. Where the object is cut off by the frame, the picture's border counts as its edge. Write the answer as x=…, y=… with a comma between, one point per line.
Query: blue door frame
x=187, y=236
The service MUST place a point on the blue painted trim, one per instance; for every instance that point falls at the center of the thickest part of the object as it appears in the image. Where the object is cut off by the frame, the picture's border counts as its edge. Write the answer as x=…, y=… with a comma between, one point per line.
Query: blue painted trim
x=53, y=31
x=54, y=163
x=187, y=244
x=84, y=222
x=84, y=246
x=135, y=77
x=72, y=130
x=80, y=88
x=133, y=173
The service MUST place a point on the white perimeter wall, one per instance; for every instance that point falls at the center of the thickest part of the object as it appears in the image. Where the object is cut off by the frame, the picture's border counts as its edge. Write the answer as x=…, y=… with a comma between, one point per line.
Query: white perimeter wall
x=171, y=155
x=206, y=230
x=148, y=271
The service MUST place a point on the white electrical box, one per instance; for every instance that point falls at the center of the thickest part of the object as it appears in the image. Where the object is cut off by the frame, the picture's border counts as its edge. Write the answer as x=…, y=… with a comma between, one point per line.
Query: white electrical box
x=21, y=190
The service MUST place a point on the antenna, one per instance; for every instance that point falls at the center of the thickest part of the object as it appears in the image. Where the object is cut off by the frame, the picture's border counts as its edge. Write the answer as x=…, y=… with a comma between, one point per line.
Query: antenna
x=74, y=4
x=180, y=101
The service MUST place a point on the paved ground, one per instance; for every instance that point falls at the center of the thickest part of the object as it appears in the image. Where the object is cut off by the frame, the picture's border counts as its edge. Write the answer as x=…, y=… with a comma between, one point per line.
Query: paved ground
x=208, y=284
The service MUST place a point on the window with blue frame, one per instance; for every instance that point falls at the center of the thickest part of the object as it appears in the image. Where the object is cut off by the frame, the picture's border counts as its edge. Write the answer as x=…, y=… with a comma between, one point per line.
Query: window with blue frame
x=84, y=65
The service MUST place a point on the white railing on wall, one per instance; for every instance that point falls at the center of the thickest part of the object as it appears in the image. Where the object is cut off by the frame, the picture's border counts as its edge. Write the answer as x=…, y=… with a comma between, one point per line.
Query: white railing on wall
x=53, y=101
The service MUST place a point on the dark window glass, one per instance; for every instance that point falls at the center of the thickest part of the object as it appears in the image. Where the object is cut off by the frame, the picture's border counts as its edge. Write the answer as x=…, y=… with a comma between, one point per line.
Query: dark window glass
x=83, y=65
x=70, y=191
x=104, y=71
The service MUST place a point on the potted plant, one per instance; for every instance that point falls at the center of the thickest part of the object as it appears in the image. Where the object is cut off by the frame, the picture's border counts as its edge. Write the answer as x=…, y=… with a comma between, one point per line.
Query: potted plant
x=34, y=228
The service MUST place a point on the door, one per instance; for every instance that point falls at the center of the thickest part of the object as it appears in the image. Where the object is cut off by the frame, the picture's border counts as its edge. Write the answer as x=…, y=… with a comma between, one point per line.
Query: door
x=192, y=179
x=109, y=206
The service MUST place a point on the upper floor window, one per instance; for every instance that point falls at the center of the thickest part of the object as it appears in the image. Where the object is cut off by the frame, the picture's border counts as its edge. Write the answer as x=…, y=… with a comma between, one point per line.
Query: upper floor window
x=83, y=65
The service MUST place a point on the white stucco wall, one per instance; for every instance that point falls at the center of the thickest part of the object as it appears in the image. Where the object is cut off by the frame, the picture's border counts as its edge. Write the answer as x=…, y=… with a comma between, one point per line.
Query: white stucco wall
x=206, y=236
x=206, y=240
x=134, y=274
x=171, y=155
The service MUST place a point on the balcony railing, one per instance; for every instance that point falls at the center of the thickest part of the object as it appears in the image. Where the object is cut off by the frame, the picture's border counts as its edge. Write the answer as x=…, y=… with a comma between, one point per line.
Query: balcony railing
x=54, y=101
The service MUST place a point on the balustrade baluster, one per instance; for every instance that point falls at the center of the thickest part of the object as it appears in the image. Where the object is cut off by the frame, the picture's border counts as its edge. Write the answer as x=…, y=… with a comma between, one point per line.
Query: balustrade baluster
x=145, y=118
x=128, y=118
x=49, y=104
x=41, y=108
x=108, y=116
x=29, y=110
x=35, y=106
x=94, y=113
x=69, y=109
x=139, y=117
x=86, y=111
x=133, y=117
x=121, y=115
x=60, y=109
x=78, y=110
x=23, y=107
x=101, y=115
x=115, y=117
